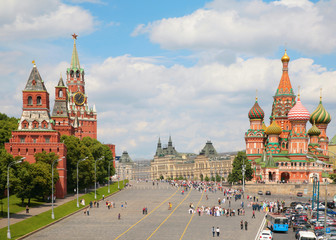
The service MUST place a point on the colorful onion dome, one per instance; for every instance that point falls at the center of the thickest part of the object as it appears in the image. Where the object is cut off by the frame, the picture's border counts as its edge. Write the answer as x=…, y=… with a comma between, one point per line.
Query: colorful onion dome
x=285, y=57
x=314, y=131
x=264, y=127
x=256, y=112
x=298, y=112
x=320, y=115
x=274, y=128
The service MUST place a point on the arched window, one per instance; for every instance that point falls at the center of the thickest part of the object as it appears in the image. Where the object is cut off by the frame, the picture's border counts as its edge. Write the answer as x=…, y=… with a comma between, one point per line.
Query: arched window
x=30, y=100
x=60, y=93
x=38, y=100
x=71, y=73
x=77, y=73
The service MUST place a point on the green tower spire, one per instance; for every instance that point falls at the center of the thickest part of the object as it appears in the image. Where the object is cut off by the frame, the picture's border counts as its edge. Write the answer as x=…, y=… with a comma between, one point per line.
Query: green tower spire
x=74, y=58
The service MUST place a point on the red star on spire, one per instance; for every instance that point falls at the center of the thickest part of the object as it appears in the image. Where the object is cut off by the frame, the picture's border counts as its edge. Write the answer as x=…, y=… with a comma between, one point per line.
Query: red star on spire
x=74, y=36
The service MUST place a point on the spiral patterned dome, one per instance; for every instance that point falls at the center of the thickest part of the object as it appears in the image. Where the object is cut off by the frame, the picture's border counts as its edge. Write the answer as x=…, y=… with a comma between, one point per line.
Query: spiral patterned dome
x=256, y=112
x=314, y=131
x=320, y=115
x=274, y=128
x=298, y=112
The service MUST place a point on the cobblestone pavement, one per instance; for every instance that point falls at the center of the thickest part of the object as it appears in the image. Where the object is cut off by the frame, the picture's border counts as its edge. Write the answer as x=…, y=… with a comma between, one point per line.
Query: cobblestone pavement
x=104, y=224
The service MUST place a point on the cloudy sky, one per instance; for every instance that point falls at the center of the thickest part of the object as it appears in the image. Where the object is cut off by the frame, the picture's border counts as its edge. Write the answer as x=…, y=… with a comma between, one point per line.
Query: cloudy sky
x=185, y=68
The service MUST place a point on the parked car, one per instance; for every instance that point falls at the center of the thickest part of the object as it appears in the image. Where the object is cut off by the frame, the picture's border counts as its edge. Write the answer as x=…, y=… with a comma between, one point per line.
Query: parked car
x=268, y=193
x=260, y=193
x=299, y=194
x=266, y=234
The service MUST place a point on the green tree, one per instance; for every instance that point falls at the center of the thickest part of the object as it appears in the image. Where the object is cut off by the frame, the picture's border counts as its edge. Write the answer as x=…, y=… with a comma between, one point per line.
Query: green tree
x=333, y=177
x=201, y=177
x=218, y=178
x=206, y=178
x=236, y=174
x=7, y=125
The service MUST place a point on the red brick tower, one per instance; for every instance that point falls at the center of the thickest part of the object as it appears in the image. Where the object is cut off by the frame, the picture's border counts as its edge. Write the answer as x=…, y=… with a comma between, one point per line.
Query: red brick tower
x=82, y=118
x=35, y=133
x=284, y=100
x=255, y=136
x=60, y=113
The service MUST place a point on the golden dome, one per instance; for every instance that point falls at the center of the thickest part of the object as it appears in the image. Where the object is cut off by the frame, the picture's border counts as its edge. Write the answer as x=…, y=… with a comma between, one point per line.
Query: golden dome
x=274, y=129
x=285, y=57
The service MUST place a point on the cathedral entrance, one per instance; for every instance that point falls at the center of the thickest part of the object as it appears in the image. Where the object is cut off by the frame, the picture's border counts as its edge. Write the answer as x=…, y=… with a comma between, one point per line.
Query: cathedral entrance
x=270, y=176
x=285, y=177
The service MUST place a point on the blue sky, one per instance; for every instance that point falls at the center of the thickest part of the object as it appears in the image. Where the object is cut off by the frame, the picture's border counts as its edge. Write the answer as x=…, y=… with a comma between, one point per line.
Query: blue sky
x=186, y=68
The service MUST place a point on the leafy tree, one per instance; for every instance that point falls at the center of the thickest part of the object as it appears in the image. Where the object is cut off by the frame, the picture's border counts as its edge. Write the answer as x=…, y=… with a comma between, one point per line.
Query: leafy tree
x=333, y=177
x=236, y=175
x=212, y=178
x=7, y=125
x=35, y=179
x=218, y=178
x=206, y=178
x=161, y=177
x=201, y=177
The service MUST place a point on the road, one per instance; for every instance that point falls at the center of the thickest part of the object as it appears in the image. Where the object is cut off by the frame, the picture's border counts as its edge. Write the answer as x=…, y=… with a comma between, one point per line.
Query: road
x=159, y=223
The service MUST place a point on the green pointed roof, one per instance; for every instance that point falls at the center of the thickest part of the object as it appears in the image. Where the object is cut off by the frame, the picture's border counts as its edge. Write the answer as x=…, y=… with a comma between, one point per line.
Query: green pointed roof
x=320, y=115
x=333, y=141
x=314, y=131
x=74, y=58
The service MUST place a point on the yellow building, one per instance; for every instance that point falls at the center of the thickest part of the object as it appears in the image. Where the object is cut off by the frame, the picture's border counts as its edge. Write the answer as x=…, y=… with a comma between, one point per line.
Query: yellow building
x=169, y=164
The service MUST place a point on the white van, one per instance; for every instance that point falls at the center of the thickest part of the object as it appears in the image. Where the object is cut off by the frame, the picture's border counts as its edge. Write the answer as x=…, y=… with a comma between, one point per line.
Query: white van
x=306, y=235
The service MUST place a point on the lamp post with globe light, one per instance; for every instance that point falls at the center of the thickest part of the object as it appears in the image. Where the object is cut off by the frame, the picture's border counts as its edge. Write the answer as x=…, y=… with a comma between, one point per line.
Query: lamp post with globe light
x=8, y=214
x=77, y=176
x=96, y=176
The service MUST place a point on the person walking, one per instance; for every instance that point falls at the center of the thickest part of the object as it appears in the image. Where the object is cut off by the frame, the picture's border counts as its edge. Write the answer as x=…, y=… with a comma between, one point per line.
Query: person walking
x=88, y=211
x=246, y=225
x=253, y=214
x=217, y=231
x=213, y=231
x=242, y=224
x=119, y=216
x=27, y=209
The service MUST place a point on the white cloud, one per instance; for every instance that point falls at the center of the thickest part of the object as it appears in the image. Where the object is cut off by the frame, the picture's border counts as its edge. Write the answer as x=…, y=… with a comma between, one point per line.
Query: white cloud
x=31, y=19
x=138, y=99
x=249, y=27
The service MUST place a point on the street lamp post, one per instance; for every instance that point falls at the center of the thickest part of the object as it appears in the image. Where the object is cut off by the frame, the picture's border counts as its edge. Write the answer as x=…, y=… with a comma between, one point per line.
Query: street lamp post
x=8, y=214
x=326, y=191
x=96, y=175
x=118, y=176
x=243, y=172
x=109, y=175
x=52, y=186
x=123, y=176
x=77, y=177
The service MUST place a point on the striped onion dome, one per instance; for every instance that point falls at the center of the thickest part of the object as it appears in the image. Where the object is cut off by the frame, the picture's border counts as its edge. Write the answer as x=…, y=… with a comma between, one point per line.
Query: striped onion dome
x=274, y=128
x=314, y=131
x=320, y=115
x=256, y=112
x=298, y=112
x=264, y=127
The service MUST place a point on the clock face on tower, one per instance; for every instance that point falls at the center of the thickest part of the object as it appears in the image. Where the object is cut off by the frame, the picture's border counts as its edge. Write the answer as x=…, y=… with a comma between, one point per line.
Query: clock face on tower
x=79, y=98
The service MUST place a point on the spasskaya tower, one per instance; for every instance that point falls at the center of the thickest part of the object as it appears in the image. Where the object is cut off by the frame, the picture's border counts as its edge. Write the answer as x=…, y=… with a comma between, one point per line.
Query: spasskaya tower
x=82, y=117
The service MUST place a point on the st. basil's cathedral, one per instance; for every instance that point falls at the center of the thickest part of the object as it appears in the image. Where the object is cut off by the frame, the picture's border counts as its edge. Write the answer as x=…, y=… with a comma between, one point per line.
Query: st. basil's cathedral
x=39, y=131
x=285, y=151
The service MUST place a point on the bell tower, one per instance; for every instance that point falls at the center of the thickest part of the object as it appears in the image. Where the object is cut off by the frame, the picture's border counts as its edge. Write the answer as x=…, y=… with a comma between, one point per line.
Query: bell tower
x=82, y=118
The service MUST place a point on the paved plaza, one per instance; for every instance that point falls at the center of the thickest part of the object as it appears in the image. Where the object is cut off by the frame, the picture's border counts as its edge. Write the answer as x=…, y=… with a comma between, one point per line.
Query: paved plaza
x=159, y=223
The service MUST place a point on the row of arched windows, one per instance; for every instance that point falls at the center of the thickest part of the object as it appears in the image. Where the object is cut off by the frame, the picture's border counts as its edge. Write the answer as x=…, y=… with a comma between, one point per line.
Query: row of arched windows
x=72, y=73
x=35, y=124
x=25, y=151
x=38, y=100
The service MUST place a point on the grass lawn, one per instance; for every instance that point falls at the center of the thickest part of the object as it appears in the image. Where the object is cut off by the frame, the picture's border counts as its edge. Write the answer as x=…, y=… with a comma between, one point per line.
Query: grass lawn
x=31, y=224
x=15, y=205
